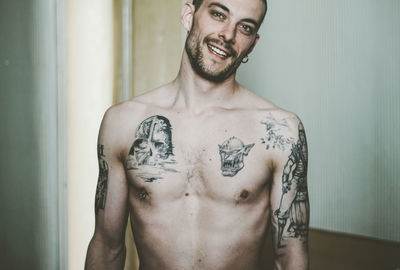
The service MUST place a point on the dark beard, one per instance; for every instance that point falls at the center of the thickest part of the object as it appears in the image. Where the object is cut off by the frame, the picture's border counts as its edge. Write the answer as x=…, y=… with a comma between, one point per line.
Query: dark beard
x=196, y=59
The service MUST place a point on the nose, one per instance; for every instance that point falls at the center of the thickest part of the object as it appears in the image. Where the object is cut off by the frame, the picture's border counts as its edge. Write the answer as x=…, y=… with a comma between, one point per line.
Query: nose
x=228, y=33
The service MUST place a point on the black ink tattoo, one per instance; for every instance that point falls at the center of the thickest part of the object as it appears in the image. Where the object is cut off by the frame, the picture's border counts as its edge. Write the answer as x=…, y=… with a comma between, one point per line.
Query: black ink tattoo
x=152, y=147
x=232, y=153
x=294, y=208
x=275, y=137
x=101, y=190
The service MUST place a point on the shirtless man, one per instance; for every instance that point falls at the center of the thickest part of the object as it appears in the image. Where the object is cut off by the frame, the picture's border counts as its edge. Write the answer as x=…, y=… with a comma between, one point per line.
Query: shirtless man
x=202, y=165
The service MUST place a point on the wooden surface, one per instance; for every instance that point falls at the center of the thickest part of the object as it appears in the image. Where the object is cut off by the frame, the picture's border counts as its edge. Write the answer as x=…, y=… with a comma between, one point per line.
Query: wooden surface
x=335, y=251
x=347, y=252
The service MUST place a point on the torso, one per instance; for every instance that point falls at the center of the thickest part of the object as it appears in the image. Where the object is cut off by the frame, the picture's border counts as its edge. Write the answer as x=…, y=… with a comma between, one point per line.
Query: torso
x=186, y=211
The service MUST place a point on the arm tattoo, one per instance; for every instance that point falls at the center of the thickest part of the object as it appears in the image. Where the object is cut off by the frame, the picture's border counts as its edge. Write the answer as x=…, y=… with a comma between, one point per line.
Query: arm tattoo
x=274, y=136
x=101, y=190
x=293, y=210
x=232, y=153
x=152, y=149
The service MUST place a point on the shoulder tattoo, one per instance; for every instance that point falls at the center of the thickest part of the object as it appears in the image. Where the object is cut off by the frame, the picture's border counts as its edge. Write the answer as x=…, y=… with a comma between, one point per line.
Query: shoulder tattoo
x=276, y=133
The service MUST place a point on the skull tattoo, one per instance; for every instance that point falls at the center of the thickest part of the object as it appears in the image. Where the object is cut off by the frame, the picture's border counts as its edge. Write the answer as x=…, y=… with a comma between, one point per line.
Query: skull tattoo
x=152, y=146
x=232, y=153
x=153, y=141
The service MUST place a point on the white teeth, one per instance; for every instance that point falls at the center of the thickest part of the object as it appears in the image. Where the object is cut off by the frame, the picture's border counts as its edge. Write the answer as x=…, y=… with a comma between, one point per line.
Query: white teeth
x=218, y=51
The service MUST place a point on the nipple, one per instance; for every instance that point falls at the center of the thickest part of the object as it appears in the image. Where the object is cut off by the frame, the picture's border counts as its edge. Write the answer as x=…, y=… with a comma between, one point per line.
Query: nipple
x=244, y=194
x=143, y=195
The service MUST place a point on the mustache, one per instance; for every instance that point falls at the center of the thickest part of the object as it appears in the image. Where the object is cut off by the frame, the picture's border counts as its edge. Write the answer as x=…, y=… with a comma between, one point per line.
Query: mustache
x=225, y=45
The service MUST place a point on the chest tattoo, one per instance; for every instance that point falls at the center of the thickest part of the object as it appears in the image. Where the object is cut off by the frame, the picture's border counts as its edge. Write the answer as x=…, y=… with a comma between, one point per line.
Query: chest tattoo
x=232, y=152
x=152, y=149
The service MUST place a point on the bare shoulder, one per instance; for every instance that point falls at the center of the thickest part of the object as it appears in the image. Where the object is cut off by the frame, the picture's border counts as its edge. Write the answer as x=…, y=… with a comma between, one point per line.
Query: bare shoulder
x=160, y=97
x=120, y=120
x=280, y=128
x=135, y=108
x=287, y=122
x=269, y=112
x=118, y=124
x=118, y=114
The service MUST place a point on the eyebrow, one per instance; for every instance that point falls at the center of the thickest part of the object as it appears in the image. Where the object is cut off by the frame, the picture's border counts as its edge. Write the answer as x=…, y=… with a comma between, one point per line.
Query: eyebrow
x=219, y=5
x=249, y=20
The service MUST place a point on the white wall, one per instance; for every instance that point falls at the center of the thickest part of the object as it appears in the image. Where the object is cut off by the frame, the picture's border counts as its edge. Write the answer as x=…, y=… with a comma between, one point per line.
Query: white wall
x=90, y=58
x=337, y=65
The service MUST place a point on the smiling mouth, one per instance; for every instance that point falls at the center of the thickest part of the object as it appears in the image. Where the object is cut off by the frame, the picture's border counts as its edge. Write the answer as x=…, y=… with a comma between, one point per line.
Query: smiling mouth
x=217, y=51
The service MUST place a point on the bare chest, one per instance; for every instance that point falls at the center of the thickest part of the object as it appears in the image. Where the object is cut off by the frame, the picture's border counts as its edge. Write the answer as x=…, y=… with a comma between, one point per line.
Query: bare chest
x=218, y=160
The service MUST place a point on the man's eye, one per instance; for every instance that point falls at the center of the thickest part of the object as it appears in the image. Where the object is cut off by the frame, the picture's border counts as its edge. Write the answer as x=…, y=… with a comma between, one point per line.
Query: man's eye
x=218, y=15
x=246, y=28
x=234, y=152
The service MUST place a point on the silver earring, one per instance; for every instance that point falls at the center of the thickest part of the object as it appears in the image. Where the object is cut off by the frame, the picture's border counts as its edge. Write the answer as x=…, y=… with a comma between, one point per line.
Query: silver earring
x=245, y=59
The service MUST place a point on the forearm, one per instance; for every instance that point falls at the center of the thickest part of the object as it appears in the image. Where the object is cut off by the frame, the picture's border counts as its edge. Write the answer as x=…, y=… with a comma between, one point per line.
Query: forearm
x=101, y=255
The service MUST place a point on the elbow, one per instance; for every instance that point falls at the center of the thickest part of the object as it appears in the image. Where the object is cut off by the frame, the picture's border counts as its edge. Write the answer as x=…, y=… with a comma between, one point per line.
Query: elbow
x=291, y=261
x=291, y=266
x=103, y=254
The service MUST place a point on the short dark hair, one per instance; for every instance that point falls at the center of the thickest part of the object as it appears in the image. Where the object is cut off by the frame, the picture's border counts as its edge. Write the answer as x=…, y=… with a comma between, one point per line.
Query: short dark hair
x=197, y=4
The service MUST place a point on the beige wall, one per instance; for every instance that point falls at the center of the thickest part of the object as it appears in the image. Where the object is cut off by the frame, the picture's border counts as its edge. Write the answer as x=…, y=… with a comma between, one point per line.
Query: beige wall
x=94, y=75
x=90, y=79
x=157, y=43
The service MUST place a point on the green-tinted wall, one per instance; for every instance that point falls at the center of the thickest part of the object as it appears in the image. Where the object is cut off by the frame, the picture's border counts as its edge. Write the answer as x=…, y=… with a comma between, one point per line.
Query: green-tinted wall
x=28, y=136
x=337, y=65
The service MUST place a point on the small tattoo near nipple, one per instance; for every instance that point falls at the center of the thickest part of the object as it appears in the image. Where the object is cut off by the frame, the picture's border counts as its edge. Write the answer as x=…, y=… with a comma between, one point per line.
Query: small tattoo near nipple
x=244, y=194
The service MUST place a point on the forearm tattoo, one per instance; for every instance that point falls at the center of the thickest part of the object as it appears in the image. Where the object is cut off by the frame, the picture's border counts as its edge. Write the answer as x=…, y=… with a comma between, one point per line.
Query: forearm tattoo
x=232, y=152
x=293, y=210
x=101, y=190
x=152, y=149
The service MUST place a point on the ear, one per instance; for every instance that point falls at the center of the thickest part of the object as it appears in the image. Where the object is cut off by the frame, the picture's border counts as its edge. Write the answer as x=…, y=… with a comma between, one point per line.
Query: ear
x=247, y=148
x=187, y=14
x=254, y=44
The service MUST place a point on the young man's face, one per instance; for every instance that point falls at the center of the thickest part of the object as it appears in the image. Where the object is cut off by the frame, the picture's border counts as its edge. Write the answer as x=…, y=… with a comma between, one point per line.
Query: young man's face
x=222, y=34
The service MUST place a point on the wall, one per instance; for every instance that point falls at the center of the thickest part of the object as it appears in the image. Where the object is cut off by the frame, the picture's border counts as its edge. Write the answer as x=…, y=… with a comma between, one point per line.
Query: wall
x=30, y=232
x=95, y=79
x=158, y=39
x=337, y=65
x=90, y=78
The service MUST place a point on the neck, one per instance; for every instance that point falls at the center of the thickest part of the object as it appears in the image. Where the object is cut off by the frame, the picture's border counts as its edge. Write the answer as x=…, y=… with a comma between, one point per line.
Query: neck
x=196, y=94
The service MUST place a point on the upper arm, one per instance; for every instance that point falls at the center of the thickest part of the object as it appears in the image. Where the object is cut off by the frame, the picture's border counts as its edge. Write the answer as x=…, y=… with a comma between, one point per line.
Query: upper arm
x=289, y=200
x=111, y=206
